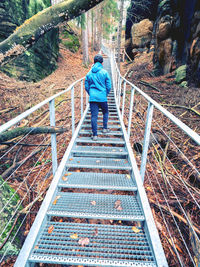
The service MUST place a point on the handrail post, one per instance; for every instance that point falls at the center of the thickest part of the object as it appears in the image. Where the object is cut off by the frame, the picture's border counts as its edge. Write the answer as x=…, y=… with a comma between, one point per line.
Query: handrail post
x=146, y=139
x=53, y=136
x=123, y=101
x=120, y=88
x=130, y=111
x=72, y=108
x=81, y=98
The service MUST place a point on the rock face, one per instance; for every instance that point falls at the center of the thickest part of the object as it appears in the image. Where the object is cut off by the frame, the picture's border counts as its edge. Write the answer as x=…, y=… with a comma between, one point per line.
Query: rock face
x=40, y=60
x=175, y=35
x=142, y=33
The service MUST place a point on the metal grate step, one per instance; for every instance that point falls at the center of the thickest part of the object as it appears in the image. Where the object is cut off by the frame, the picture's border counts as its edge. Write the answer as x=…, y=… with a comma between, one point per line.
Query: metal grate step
x=99, y=151
x=101, y=127
x=80, y=205
x=113, y=141
x=94, y=180
x=101, y=120
x=109, y=245
x=89, y=132
x=98, y=163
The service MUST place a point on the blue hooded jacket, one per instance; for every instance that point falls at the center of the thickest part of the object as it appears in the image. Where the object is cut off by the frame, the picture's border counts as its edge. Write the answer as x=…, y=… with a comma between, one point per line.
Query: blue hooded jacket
x=97, y=83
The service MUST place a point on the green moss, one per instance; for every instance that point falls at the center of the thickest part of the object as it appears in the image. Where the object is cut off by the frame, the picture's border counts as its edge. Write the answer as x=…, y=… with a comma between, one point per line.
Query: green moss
x=71, y=42
x=180, y=74
x=10, y=200
x=39, y=61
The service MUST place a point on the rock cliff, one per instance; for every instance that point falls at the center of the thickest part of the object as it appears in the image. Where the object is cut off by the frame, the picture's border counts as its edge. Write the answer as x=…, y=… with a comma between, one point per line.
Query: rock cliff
x=174, y=36
x=40, y=60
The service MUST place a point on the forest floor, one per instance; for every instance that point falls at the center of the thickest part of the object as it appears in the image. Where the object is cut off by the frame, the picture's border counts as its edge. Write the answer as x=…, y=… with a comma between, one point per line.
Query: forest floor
x=18, y=96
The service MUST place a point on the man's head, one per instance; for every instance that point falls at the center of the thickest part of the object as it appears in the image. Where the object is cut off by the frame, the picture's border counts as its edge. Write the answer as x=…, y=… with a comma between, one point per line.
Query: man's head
x=98, y=58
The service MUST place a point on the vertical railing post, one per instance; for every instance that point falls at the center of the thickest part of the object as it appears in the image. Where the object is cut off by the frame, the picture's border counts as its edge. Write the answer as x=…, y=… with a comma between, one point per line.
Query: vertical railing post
x=53, y=136
x=81, y=98
x=130, y=111
x=120, y=87
x=123, y=101
x=146, y=139
x=72, y=108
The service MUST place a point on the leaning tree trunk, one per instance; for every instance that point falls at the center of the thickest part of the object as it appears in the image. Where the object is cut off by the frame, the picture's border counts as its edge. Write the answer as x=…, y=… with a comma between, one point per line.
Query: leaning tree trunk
x=84, y=33
x=35, y=27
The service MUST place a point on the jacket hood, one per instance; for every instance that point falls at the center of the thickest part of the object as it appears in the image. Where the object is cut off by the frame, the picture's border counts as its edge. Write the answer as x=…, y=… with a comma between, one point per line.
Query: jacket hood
x=97, y=67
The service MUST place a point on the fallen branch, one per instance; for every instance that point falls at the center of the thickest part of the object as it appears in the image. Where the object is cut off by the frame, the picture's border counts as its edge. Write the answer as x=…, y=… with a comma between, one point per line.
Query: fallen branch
x=16, y=164
x=8, y=135
x=150, y=85
x=187, y=110
x=7, y=110
x=183, y=107
x=175, y=214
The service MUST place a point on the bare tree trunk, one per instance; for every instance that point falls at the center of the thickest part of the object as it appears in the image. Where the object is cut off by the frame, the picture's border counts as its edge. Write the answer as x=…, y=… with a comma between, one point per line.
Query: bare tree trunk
x=92, y=22
x=32, y=29
x=84, y=29
x=119, y=37
x=95, y=30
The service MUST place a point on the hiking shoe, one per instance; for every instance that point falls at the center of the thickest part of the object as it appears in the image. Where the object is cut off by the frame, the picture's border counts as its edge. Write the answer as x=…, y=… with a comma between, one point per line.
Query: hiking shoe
x=106, y=130
x=94, y=138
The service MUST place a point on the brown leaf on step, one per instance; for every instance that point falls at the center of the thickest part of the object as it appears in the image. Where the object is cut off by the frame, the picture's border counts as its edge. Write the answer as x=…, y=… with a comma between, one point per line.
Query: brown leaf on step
x=128, y=176
x=117, y=159
x=64, y=178
x=95, y=232
x=56, y=199
x=97, y=161
x=36, y=247
x=61, y=220
x=118, y=205
x=78, y=171
x=68, y=174
x=93, y=203
x=84, y=241
x=70, y=159
x=78, y=161
x=50, y=229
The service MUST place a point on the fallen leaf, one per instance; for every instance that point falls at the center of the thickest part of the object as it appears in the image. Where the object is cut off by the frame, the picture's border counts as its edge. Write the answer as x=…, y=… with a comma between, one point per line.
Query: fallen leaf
x=78, y=161
x=128, y=176
x=74, y=236
x=95, y=232
x=93, y=202
x=114, y=150
x=117, y=159
x=50, y=229
x=61, y=220
x=135, y=229
x=120, y=221
x=36, y=247
x=70, y=159
x=84, y=241
x=64, y=178
x=78, y=171
x=118, y=205
x=56, y=199
x=68, y=174
x=178, y=248
x=97, y=161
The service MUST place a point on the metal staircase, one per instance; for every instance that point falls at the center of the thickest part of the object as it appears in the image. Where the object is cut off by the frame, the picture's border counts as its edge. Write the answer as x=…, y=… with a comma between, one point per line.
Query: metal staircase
x=94, y=227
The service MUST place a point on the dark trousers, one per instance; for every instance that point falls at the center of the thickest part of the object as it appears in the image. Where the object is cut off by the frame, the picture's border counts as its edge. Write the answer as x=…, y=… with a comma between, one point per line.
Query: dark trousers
x=94, y=107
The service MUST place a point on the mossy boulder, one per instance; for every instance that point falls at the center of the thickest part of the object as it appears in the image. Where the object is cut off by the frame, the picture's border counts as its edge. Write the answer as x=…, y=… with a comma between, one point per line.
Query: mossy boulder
x=10, y=200
x=39, y=61
x=180, y=74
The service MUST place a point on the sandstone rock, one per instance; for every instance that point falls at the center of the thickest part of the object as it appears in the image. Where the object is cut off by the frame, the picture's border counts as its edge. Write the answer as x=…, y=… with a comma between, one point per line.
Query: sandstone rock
x=180, y=74
x=142, y=33
x=163, y=31
x=165, y=55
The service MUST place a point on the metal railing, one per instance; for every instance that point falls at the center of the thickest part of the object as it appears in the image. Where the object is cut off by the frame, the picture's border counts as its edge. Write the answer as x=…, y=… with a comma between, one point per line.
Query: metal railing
x=73, y=112
x=137, y=110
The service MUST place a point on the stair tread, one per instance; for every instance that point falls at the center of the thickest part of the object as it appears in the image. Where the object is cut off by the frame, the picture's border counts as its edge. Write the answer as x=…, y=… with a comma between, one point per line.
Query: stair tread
x=109, y=245
x=100, y=140
x=97, y=181
x=91, y=163
x=79, y=205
